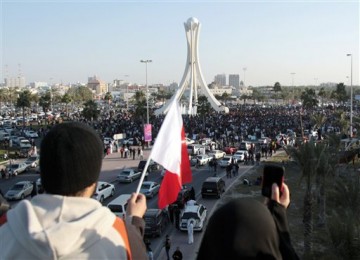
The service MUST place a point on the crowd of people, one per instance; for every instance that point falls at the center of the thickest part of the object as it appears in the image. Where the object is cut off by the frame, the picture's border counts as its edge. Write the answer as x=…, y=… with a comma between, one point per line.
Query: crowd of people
x=96, y=232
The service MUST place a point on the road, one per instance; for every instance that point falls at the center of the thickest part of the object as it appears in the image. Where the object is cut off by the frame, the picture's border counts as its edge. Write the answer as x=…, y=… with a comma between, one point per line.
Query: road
x=113, y=164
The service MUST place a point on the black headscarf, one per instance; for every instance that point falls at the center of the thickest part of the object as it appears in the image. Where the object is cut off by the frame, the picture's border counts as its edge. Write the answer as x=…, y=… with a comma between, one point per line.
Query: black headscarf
x=240, y=229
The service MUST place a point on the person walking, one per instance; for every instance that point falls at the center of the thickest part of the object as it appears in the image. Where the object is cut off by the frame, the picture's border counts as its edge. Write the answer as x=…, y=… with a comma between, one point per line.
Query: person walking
x=34, y=191
x=190, y=229
x=65, y=222
x=167, y=246
x=177, y=255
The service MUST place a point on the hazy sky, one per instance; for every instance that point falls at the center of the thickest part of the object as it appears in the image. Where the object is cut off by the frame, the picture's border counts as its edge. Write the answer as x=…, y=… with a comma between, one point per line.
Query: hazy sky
x=68, y=41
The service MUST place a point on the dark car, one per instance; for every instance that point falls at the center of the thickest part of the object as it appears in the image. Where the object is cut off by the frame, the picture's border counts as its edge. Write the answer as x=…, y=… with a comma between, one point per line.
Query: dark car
x=156, y=221
x=183, y=196
x=213, y=186
x=153, y=166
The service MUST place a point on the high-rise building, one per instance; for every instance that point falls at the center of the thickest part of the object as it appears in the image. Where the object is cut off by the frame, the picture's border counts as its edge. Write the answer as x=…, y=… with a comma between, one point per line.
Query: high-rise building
x=15, y=82
x=220, y=79
x=234, y=80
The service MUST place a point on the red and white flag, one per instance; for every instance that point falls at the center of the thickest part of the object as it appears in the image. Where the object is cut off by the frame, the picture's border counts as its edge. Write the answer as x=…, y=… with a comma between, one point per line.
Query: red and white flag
x=170, y=151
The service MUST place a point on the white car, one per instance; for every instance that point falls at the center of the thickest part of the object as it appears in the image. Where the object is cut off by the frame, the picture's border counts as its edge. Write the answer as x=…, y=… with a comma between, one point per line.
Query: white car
x=150, y=188
x=239, y=156
x=17, y=168
x=226, y=161
x=19, y=191
x=217, y=154
x=32, y=161
x=31, y=134
x=196, y=213
x=203, y=159
x=103, y=190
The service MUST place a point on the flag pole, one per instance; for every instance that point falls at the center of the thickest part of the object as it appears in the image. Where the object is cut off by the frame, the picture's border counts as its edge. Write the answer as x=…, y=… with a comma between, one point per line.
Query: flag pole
x=143, y=174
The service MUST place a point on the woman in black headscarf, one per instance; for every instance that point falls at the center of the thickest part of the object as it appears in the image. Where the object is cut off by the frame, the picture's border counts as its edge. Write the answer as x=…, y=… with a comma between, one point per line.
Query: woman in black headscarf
x=247, y=229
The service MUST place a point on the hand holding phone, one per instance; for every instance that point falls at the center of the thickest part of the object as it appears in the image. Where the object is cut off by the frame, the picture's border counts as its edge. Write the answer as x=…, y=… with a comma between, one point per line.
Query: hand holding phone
x=272, y=174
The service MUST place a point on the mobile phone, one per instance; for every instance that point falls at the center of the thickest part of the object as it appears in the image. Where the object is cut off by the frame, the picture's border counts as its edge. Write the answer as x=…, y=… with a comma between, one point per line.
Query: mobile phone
x=272, y=174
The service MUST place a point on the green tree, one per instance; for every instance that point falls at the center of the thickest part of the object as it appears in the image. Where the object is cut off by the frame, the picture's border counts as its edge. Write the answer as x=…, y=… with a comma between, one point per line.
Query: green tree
x=45, y=101
x=344, y=219
x=318, y=120
x=340, y=93
x=277, y=87
x=225, y=97
x=203, y=107
x=244, y=97
x=308, y=98
x=108, y=97
x=66, y=99
x=91, y=111
x=23, y=102
x=140, y=106
x=305, y=156
x=257, y=95
x=80, y=94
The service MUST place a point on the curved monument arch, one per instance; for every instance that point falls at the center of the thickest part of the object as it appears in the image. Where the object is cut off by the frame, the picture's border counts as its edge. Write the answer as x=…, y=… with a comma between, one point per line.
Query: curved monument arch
x=193, y=76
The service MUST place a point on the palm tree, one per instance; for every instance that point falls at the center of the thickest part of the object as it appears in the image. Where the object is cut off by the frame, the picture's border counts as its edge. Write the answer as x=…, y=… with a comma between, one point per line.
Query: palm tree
x=139, y=101
x=90, y=111
x=305, y=156
x=344, y=220
x=24, y=101
x=108, y=97
x=66, y=99
x=323, y=157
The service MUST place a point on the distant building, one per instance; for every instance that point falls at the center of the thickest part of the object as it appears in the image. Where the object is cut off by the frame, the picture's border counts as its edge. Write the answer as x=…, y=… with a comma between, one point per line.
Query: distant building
x=234, y=80
x=220, y=80
x=15, y=82
x=97, y=86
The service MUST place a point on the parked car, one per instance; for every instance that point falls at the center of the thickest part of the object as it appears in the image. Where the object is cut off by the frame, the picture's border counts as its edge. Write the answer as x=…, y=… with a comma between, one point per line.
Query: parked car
x=240, y=155
x=108, y=140
x=213, y=186
x=103, y=191
x=230, y=150
x=197, y=213
x=156, y=221
x=129, y=141
x=128, y=175
x=150, y=188
x=19, y=191
x=24, y=143
x=203, y=159
x=217, y=154
x=33, y=161
x=17, y=168
x=226, y=161
x=153, y=166
x=183, y=196
x=31, y=134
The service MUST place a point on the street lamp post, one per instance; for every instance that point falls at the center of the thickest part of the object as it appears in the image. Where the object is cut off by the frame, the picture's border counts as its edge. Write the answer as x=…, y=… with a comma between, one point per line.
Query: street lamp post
x=351, y=97
x=147, y=90
x=244, y=69
x=292, y=84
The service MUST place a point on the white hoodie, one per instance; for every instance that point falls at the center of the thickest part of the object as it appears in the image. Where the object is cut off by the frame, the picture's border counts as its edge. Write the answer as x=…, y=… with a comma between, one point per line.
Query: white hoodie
x=58, y=227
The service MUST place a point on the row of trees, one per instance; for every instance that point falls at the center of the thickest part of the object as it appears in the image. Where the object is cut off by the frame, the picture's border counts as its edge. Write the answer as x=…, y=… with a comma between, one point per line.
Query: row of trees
x=331, y=193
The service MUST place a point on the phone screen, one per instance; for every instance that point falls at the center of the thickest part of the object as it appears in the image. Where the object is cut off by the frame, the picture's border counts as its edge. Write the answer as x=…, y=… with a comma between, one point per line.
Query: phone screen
x=272, y=174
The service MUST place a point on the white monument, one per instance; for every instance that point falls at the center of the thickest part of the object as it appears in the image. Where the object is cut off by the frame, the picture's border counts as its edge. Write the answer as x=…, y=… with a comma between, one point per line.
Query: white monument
x=193, y=77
